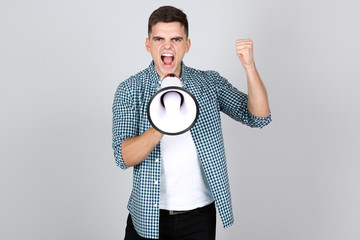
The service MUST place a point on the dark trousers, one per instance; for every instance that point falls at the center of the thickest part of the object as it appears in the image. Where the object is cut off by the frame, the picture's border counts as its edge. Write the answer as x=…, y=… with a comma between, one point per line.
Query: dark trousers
x=197, y=224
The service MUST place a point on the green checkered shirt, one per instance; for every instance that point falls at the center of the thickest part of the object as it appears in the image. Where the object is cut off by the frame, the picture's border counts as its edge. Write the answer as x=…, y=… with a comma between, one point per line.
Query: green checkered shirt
x=214, y=94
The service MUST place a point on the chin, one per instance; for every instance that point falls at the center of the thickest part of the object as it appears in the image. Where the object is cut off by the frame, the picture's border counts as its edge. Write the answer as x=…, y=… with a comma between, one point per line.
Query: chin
x=166, y=71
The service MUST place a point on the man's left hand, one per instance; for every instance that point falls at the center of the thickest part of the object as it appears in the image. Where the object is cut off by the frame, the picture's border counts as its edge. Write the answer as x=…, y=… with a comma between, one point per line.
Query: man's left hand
x=244, y=50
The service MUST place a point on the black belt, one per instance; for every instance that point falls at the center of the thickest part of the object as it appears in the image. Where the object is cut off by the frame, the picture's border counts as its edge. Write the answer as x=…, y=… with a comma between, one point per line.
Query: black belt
x=175, y=212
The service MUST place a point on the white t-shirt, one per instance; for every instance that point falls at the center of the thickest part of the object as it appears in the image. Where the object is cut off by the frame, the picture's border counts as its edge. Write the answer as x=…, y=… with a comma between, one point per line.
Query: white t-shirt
x=183, y=185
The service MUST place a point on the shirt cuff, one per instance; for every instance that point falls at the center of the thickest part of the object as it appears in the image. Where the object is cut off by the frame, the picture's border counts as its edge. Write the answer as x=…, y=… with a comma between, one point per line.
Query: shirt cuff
x=118, y=156
x=259, y=122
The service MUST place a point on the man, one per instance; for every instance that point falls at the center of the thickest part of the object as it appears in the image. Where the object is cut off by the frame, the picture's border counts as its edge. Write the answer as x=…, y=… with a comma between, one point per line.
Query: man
x=178, y=180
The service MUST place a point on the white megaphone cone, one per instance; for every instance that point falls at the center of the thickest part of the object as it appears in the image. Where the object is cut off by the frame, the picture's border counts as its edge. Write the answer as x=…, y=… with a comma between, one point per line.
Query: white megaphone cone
x=172, y=110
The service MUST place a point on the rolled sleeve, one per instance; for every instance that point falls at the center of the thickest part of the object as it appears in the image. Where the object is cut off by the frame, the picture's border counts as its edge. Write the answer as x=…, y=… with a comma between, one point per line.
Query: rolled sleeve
x=124, y=122
x=234, y=104
x=259, y=122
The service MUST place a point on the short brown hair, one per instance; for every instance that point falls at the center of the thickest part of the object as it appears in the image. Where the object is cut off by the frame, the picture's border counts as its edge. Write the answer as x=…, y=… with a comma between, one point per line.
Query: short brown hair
x=168, y=14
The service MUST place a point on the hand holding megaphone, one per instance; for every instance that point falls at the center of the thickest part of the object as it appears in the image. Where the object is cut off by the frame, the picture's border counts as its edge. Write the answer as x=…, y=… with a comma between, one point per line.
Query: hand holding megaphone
x=172, y=110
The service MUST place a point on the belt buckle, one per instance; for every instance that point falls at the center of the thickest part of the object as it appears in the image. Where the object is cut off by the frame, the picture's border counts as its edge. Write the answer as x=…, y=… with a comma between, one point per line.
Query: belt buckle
x=172, y=212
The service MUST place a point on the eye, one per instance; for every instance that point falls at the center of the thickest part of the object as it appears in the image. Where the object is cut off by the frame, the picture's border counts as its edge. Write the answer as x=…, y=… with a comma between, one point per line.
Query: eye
x=177, y=39
x=157, y=39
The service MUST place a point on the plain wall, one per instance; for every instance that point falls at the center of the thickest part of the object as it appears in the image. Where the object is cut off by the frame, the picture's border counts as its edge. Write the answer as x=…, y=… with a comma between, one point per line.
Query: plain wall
x=60, y=64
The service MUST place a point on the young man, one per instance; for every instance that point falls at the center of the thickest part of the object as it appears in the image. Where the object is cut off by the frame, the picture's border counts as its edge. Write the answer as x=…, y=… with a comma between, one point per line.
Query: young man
x=178, y=179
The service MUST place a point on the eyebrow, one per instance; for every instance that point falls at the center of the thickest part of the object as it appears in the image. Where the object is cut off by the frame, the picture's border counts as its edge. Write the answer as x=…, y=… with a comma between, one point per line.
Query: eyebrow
x=174, y=38
x=177, y=38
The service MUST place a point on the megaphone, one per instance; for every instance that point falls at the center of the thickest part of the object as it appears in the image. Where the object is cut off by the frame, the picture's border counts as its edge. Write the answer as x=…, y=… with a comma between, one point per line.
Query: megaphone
x=172, y=110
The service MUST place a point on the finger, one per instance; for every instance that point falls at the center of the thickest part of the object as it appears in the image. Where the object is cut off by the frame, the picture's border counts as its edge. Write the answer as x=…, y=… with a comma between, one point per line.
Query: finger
x=244, y=41
x=244, y=48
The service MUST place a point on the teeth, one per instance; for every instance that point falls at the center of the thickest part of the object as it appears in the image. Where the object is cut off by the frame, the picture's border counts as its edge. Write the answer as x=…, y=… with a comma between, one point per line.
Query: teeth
x=167, y=55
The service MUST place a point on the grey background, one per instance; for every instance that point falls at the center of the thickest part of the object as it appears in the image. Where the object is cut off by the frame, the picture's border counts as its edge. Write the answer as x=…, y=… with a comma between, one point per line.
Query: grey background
x=61, y=61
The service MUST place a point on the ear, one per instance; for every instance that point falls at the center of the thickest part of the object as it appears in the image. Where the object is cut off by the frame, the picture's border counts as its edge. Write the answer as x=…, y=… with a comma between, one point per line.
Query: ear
x=188, y=44
x=147, y=44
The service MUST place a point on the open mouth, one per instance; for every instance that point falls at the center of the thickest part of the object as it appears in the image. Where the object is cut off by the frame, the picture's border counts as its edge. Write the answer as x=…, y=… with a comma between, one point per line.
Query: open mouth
x=167, y=58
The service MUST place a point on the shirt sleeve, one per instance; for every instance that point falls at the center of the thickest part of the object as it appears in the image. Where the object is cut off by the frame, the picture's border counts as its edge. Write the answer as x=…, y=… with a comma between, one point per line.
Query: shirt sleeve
x=124, y=121
x=234, y=104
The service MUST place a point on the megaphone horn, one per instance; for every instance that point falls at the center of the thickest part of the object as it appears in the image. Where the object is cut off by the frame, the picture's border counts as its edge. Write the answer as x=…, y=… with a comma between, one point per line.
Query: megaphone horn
x=172, y=110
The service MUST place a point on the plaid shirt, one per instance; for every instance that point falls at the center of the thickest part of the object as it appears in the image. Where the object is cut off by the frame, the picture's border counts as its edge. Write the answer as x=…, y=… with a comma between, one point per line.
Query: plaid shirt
x=214, y=94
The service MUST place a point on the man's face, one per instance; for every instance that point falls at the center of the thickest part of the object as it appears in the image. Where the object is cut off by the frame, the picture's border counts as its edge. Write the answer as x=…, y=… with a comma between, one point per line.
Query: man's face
x=168, y=44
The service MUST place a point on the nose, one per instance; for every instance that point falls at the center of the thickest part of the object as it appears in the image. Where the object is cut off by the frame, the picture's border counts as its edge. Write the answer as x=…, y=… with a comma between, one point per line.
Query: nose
x=168, y=44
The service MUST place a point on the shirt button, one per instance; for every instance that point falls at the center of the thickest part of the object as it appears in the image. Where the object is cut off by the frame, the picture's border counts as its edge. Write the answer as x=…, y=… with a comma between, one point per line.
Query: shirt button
x=156, y=182
x=155, y=205
x=157, y=160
